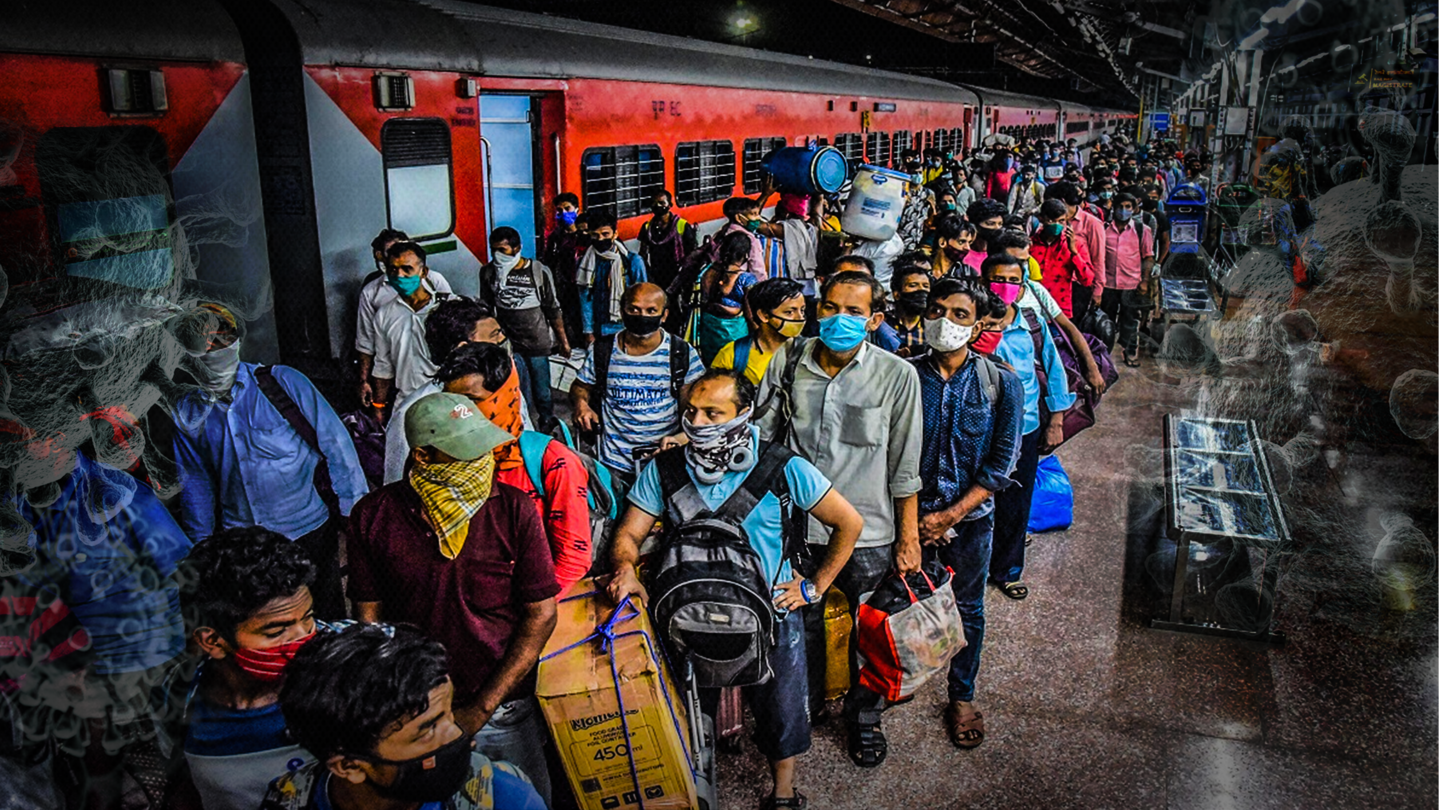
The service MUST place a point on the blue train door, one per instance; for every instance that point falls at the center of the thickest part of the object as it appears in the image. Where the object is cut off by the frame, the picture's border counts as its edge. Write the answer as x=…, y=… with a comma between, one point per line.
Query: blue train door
x=507, y=135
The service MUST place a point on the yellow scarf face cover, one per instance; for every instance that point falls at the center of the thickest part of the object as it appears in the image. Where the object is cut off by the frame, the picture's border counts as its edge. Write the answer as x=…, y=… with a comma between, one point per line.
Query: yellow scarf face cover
x=452, y=493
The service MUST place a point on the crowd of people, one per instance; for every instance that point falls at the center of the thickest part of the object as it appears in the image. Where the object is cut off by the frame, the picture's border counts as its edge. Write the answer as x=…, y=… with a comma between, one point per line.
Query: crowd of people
x=303, y=629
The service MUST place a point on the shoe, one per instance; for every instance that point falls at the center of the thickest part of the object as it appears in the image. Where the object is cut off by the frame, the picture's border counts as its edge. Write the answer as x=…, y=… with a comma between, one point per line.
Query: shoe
x=866, y=745
x=966, y=728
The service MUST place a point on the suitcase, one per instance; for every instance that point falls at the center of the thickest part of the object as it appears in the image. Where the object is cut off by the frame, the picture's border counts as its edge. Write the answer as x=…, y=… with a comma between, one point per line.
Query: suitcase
x=730, y=719
x=702, y=740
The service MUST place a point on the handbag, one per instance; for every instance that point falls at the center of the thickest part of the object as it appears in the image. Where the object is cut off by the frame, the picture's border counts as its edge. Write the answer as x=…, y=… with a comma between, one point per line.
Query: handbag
x=1081, y=415
x=908, y=634
x=1052, y=501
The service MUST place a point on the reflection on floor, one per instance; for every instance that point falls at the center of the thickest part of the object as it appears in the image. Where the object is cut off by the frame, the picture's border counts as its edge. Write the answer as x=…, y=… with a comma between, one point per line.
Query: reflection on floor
x=1085, y=707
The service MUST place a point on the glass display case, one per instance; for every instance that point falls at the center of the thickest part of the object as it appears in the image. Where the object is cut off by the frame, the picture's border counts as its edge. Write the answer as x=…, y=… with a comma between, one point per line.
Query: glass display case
x=1224, y=527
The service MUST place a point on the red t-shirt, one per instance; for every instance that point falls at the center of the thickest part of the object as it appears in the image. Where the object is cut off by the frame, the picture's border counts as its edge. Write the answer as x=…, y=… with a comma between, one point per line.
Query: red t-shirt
x=564, y=509
x=1060, y=267
x=472, y=603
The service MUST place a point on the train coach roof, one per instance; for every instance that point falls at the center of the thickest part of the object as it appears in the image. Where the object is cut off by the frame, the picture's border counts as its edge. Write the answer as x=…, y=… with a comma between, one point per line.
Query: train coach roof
x=1001, y=98
x=457, y=36
x=181, y=30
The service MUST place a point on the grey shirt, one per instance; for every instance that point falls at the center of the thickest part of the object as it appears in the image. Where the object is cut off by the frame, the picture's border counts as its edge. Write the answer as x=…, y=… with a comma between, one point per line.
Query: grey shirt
x=525, y=304
x=863, y=429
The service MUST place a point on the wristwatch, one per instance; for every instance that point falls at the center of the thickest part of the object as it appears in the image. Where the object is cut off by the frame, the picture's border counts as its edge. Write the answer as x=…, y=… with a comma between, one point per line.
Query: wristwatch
x=809, y=591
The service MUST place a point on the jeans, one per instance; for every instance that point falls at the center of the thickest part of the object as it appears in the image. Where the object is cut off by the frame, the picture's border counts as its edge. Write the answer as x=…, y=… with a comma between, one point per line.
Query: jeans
x=1012, y=513
x=535, y=385
x=968, y=555
x=516, y=734
x=1125, y=307
x=782, y=724
x=861, y=574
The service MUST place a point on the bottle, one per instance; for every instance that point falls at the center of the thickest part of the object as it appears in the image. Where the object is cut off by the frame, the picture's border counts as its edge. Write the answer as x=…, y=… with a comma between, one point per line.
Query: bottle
x=838, y=624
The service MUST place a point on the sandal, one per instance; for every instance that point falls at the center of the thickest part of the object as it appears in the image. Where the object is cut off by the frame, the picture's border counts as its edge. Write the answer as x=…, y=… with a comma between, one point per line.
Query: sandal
x=866, y=745
x=966, y=731
x=1015, y=590
x=772, y=803
x=1132, y=362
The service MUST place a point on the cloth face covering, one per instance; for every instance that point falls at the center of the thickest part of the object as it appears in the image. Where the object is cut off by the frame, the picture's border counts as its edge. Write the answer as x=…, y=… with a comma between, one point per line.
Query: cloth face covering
x=987, y=342
x=452, y=493
x=220, y=367
x=945, y=336
x=268, y=665
x=616, y=254
x=843, y=332
x=503, y=265
x=796, y=205
x=789, y=328
x=503, y=409
x=435, y=777
x=1008, y=291
x=717, y=449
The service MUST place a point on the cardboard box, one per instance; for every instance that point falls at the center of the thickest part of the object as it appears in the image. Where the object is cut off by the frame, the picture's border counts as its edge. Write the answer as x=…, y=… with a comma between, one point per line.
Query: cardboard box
x=578, y=695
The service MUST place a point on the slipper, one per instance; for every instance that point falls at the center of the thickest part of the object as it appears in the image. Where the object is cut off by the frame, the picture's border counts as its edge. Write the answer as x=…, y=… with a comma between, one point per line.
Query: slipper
x=797, y=801
x=1132, y=362
x=866, y=745
x=1015, y=590
x=966, y=731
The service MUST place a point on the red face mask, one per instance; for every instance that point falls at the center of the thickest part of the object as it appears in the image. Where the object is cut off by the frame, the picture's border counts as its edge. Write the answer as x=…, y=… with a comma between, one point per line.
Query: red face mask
x=986, y=343
x=269, y=664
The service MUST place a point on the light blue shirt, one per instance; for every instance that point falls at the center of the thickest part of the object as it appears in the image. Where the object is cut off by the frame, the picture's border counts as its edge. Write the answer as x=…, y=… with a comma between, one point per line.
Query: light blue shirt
x=241, y=464
x=763, y=525
x=1017, y=349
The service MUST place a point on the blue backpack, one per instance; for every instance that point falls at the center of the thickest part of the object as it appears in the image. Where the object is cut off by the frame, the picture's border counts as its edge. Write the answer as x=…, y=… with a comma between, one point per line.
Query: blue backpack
x=599, y=491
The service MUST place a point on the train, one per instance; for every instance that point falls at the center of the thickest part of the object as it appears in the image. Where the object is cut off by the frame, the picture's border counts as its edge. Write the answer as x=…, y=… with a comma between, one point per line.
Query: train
x=249, y=150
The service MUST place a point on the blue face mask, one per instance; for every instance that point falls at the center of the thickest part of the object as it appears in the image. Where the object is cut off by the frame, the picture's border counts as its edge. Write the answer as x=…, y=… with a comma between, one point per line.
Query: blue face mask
x=566, y=217
x=841, y=333
x=405, y=285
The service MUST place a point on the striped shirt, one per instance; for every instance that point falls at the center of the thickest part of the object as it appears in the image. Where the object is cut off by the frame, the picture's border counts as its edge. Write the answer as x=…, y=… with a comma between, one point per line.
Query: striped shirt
x=637, y=407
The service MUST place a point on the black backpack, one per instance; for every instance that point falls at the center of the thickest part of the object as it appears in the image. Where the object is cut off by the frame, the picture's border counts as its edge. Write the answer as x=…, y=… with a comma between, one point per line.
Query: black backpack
x=711, y=600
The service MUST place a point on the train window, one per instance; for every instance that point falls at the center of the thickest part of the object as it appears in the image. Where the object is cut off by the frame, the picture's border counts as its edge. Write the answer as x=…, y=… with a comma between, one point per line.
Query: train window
x=851, y=147
x=621, y=178
x=957, y=140
x=877, y=148
x=419, y=186
x=1077, y=126
x=900, y=143
x=704, y=172
x=940, y=140
x=754, y=151
x=109, y=203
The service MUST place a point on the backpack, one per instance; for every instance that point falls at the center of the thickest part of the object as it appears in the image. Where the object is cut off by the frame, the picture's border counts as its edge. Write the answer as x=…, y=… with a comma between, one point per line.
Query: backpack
x=793, y=353
x=742, y=353
x=285, y=404
x=679, y=365
x=711, y=601
x=599, y=490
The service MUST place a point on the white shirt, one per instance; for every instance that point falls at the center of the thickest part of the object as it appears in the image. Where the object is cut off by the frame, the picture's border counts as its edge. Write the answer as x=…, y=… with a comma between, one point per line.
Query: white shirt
x=400, y=351
x=377, y=294
x=883, y=255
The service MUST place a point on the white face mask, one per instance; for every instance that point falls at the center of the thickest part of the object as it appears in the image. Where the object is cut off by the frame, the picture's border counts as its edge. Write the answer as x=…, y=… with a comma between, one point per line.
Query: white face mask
x=220, y=367
x=506, y=263
x=944, y=335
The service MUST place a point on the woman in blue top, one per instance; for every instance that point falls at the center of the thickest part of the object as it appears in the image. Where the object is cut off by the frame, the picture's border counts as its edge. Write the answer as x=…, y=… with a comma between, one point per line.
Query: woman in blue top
x=721, y=316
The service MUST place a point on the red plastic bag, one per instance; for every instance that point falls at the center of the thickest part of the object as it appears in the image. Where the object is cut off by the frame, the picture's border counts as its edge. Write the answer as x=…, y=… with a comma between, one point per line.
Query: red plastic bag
x=908, y=634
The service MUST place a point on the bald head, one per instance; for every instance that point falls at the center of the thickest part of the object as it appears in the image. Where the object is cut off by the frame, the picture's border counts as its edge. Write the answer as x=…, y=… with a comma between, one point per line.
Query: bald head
x=645, y=296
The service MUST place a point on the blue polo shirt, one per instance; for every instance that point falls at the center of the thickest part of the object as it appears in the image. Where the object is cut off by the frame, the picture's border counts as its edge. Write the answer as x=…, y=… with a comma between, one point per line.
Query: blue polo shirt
x=1017, y=349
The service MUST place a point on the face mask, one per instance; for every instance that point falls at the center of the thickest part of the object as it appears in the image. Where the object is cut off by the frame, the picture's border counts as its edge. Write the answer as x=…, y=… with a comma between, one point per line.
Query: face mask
x=1123, y=215
x=1052, y=229
x=268, y=665
x=641, y=326
x=955, y=254
x=944, y=335
x=660, y=210
x=1105, y=195
x=987, y=343
x=221, y=366
x=949, y=206
x=913, y=301
x=789, y=328
x=843, y=332
x=434, y=777
x=918, y=178
x=1009, y=291
x=405, y=285
x=603, y=246
x=506, y=263
x=987, y=235
x=717, y=449
x=566, y=217
x=752, y=225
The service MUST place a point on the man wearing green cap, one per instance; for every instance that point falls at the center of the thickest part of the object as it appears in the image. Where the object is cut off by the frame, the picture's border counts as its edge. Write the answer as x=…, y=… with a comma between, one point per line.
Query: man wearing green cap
x=464, y=558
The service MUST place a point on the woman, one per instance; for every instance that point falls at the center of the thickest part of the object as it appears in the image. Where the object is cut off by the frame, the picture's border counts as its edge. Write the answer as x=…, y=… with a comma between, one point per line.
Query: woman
x=720, y=317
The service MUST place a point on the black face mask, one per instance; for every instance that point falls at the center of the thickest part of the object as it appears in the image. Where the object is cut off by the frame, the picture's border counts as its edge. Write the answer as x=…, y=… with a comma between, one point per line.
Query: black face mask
x=603, y=246
x=434, y=777
x=641, y=326
x=914, y=301
x=660, y=210
x=987, y=235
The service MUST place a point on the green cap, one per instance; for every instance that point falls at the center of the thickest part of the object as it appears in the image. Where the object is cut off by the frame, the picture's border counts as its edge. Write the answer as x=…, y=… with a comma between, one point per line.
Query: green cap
x=453, y=425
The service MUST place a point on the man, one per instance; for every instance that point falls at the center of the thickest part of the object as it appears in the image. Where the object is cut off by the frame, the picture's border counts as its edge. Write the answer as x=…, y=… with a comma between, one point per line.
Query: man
x=742, y=215
x=374, y=706
x=247, y=600
x=789, y=243
x=259, y=446
x=1090, y=233
x=484, y=374
x=882, y=254
x=884, y=336
x=919, y=202
x=1157, y=219
x=637, y=401
x=465, y=559
x=456, y=321
x=563, y=246
x=1063, y=265
x=606, y=270
x=988, y=217
x=522, y=293
x=964, y=190
x=1021, y=332
x=1025, y=193
x=853, y=412
x=665, y=240
x=777, y=308
x=377, y=291
x=1129, y=258
x=1052, y=165
x=934, y=166
x=953, y=238
x=972, y=438
x=402, y=363
x=717, y=422
x=910, y=287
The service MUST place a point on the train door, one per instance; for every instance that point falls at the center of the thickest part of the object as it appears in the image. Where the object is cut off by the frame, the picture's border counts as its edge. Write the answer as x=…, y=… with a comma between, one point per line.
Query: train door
x=969, y=142
x=508, y=124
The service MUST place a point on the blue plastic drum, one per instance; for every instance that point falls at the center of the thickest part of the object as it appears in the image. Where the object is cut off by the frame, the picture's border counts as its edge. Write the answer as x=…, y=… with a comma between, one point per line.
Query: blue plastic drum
x=807, y=169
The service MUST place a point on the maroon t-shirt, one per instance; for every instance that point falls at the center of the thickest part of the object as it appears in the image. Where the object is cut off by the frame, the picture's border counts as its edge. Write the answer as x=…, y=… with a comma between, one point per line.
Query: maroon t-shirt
x=472, y=603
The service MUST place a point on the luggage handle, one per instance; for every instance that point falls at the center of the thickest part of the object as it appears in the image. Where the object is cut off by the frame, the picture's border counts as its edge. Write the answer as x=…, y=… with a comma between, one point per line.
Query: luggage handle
x=913, y=597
